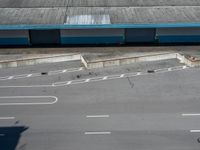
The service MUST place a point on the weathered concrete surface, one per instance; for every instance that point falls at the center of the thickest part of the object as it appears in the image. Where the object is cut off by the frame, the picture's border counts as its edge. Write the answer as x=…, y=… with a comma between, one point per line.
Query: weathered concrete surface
x=37, y=59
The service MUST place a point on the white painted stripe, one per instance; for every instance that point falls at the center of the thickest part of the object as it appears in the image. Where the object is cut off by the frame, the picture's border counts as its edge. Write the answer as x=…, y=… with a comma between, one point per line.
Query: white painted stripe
x=29, y=75
x=64, y=71
x=80, y=68
x=169, y=69
x=184, y=67
x=10, y=77
x=2, y=134
x=87, y=80
x=195, y=131
x=104, y=78
x=97, y=116
x=96, y=133
x=69, y=82
x=28, y=97
x=190, y=114
x=122, y=75
x=139, y=73
x=26, y=86
x=6, y=118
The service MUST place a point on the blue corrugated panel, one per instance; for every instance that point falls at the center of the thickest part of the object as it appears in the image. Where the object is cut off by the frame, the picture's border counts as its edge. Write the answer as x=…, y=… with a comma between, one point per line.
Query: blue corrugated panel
x=179, y=39
x=14, y=41
x=92, y=40
x=65, y=26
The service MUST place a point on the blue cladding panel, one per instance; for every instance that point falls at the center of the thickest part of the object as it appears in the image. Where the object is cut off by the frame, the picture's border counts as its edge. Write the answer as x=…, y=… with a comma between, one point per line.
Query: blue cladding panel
x=14, y=41
x=92, y=40
x=179, y=39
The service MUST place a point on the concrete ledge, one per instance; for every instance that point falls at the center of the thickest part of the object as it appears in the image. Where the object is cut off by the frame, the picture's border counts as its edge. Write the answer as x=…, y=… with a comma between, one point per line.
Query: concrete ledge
x=189, y=60
x=39, y=59
x=101, y=62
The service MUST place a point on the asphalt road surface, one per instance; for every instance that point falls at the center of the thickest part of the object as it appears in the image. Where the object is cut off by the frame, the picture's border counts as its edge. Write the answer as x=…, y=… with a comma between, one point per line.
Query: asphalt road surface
x=154, y=111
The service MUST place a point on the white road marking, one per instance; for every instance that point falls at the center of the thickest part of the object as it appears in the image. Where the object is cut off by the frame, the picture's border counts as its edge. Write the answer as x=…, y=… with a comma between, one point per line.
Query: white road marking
x=96, y=133
x=190, y=114
x=10, y=77
x=39, y=74
x=64, y=83
x=6, y=118
x=64, y=71
x=69, y=82
x=87, y=80
x=194, y=131
x=26, y=86
x=2, y=134
x=169, y=69
x=122, y=75
x=184, y=67
x=104, y=78
x=97, y=116
x=29, y=75
x=28, y=97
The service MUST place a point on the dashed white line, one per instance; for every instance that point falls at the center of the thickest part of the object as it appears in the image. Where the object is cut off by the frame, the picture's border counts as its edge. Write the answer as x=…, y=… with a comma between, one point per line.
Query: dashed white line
x=87, y=80
x=11, y=77
x=122, y=75
x=97, y=133
x=80, y=68
x=104, y=78
x=69, y=82
x=29, y=75
x=97, y=116
x=139, y=73
x=64, y=71
x=184, y=67
x=169, y=69
x=6, y=118
x=190, y=114
x=194, y=131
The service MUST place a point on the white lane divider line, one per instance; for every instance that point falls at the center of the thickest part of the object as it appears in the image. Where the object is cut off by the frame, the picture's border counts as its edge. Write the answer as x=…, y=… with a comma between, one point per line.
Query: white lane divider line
x=104, y=78
x=138, y=73
x=69, y=82
x=98, y=116
x=64, y=71
x=11, y=77
x=28, y=103
x=7, y=118
x=122, y=75
x=81, y=68
x=184, y=67
x=195, y=131
x=169, y=69
x=190, y=114
x=2, y=134
x=97, y=133
x=29, y=75
x=87, y=80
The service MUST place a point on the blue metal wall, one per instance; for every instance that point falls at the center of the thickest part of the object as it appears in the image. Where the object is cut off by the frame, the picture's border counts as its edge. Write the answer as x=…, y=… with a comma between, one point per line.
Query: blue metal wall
x=104, y=34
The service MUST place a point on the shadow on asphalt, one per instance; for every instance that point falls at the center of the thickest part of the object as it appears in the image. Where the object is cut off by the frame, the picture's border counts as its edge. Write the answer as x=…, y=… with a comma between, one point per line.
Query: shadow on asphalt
x=10, y=136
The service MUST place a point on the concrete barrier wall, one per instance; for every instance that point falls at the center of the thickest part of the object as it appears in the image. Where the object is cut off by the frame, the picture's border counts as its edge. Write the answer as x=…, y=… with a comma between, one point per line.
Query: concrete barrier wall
x=39, y=60
x=127, y=60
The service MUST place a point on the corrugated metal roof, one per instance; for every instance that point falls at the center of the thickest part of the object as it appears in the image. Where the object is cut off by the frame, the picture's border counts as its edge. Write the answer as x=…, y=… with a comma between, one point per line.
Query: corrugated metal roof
x=97, y=12
x=95, y=3
x=88, y=19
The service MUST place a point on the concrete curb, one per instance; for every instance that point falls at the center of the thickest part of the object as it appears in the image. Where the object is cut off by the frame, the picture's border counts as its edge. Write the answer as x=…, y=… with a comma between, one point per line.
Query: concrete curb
x=40, y=60
x=145, y=58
